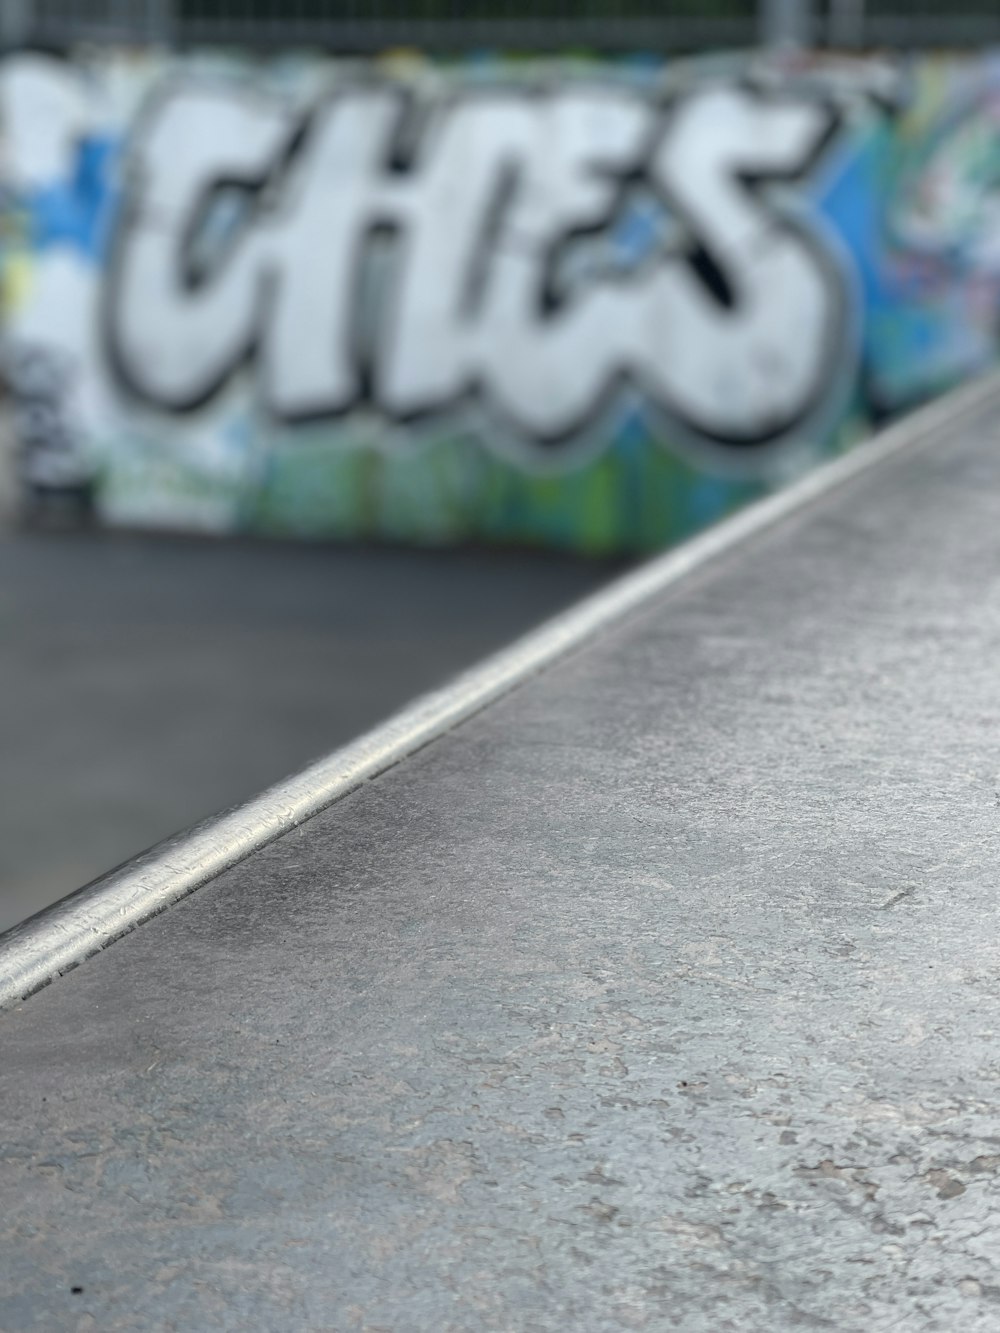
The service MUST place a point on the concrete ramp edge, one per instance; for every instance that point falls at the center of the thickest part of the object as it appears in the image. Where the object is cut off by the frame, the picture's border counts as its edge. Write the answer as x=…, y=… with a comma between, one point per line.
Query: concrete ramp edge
x=87, y=921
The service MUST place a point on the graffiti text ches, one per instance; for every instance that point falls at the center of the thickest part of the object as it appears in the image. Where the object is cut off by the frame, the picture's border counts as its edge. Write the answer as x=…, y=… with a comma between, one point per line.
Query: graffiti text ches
x=415, y=259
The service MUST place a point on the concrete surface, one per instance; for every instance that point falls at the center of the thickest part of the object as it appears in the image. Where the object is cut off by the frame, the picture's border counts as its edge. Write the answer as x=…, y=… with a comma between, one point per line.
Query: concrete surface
x=9, y=485
x=664, y=994
x=148, y=682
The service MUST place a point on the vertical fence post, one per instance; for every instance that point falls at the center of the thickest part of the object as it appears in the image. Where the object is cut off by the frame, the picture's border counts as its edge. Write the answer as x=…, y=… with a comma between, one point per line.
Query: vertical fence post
x=785, y=23
x=160, y=22
x=847, y=22
x=16, y=22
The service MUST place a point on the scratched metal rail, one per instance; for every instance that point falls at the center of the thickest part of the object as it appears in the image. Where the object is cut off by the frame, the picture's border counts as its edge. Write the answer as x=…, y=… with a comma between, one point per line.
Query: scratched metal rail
x=661, y=992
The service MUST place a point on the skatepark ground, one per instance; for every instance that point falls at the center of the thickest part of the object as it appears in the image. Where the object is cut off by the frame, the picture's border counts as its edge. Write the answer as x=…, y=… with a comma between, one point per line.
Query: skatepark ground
x=149, y=681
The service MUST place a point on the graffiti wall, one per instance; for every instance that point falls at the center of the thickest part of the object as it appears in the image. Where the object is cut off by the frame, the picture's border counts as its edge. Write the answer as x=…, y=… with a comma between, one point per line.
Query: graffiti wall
x=586, y=305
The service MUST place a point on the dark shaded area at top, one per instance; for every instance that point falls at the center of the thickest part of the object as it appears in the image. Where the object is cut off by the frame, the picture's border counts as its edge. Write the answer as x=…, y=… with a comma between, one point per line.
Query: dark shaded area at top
x=448, y=9
x=535, y=11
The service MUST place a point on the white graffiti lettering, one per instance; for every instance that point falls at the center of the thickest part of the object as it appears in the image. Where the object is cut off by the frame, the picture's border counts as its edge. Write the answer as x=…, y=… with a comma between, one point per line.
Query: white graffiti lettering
x=413, y=258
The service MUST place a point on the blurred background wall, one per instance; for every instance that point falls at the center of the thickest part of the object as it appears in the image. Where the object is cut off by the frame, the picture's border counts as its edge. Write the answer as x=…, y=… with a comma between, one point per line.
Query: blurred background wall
x=590, y=300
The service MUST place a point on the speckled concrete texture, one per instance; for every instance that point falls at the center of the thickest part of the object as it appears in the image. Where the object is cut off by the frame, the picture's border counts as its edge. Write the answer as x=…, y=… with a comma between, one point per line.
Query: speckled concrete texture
x=665, y=994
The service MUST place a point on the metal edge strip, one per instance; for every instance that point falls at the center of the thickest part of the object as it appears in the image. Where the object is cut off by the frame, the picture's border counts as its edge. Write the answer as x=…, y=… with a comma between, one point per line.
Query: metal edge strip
x=64, y=935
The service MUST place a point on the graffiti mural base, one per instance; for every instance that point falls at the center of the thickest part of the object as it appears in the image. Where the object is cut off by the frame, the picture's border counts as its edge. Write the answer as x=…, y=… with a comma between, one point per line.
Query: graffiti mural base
x=590, y=305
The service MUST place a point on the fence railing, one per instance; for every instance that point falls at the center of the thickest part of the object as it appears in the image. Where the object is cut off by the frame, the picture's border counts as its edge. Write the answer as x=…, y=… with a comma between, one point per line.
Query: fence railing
x=542, y=25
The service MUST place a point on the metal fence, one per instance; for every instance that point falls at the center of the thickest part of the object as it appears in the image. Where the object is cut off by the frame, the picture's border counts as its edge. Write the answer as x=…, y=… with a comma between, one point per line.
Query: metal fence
x=529, y=25
x=369, y=25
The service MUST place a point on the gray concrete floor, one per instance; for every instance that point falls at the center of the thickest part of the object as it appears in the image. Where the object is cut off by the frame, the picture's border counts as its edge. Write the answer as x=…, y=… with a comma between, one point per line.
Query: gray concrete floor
x=660, y=995
x=147, y=682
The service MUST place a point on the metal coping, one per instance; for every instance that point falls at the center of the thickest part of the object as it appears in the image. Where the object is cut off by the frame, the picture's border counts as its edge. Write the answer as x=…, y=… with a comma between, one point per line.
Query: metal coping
x=60, y=937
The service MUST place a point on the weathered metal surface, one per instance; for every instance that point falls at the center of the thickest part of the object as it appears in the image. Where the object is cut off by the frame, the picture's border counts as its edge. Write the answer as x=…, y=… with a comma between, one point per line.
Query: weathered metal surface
x=662, y=993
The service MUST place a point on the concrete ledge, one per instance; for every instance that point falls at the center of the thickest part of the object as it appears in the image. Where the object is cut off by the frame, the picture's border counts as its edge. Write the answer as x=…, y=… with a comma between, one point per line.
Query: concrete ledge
x=64, y=935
